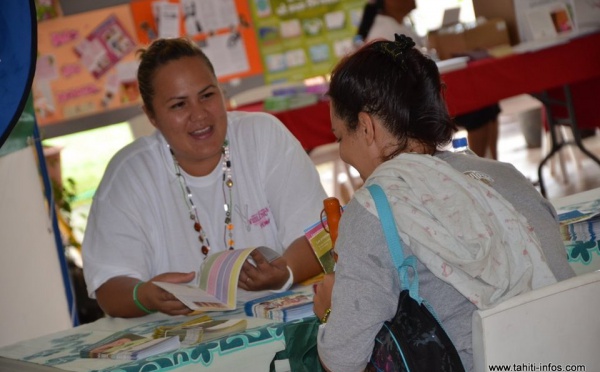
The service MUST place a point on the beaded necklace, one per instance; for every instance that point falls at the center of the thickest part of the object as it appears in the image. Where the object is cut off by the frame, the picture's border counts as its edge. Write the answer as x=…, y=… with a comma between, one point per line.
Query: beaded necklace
x=227, y=196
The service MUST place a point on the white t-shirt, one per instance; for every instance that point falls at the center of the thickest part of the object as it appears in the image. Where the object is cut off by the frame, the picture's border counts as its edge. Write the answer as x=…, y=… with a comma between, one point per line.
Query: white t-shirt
x=139, y=224
x=384, y=27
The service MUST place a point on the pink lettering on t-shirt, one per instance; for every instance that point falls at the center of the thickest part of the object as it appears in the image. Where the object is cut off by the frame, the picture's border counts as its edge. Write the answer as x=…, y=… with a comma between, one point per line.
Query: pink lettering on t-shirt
x=260, y=218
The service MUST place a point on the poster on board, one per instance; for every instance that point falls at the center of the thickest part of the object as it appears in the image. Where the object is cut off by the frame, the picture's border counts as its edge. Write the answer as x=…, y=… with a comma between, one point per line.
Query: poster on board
x=86, y=64
x=220, y=27
x=548, y=19
x=299, y=39
x=104, y=47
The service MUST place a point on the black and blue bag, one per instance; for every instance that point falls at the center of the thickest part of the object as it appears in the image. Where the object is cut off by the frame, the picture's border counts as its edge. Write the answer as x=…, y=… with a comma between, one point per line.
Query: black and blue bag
x=413, y=340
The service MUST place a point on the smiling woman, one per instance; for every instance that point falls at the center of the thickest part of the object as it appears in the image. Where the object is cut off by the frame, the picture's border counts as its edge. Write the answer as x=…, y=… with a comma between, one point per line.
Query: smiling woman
x=207, y=180
x=189, y=110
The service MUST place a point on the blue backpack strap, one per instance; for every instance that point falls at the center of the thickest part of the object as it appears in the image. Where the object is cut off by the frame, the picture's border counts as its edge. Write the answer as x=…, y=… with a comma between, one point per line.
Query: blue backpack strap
x=407, y=268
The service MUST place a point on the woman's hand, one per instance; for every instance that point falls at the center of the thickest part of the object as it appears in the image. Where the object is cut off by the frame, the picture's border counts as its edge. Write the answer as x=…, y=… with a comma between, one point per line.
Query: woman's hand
x=156, y=298
x=322, y=298
x=265, y=275
x=115, y=296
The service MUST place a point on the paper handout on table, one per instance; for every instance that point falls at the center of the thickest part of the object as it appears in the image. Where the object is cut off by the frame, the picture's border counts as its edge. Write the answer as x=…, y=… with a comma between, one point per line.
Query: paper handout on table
x=146, y=348
x=201, y=329
x=216, y=288
x=129, y=346
x=580, y=211
x=580, y=222
x=283, y=307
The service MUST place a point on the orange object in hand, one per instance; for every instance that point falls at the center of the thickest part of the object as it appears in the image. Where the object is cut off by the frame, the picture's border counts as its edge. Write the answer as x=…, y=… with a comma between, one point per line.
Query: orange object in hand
x=333, y=211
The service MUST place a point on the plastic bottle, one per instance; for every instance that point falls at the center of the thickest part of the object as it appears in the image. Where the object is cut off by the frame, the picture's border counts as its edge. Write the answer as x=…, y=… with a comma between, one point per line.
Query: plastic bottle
x=333, y=211
x=461, y=146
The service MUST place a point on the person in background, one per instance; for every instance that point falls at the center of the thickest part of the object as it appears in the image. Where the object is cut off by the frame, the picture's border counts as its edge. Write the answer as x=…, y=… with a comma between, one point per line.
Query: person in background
x=482, y=130
x=207, y=180
x=468, y=220
x=384, y=18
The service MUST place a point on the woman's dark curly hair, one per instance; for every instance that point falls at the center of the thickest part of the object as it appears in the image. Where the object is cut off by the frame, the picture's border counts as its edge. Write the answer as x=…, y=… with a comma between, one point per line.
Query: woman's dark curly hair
x=398, y=84
x=158, y=54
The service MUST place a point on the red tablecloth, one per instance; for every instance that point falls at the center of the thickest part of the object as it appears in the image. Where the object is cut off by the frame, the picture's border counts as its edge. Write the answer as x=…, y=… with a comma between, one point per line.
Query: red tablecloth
x=485, y=82
x=576, y=63
x=310, y=125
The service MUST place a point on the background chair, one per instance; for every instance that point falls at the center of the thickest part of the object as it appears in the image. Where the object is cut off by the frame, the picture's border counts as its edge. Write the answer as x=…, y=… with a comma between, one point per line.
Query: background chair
x=338, y=178
x=557, y=324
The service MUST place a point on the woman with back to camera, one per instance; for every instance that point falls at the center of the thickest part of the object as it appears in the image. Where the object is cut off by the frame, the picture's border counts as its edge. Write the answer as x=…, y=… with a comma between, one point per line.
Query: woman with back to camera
x=480, y=231
x=384, y=18
x=207, y=180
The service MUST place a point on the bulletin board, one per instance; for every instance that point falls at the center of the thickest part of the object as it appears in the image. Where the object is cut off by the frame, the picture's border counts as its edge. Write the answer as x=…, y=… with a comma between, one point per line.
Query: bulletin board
x=222, y=28
x=299, y=39
x=86, y=64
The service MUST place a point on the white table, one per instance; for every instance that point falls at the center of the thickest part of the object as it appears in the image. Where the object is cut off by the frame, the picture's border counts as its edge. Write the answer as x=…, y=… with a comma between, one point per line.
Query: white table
x=252, y=350
x=581, y=197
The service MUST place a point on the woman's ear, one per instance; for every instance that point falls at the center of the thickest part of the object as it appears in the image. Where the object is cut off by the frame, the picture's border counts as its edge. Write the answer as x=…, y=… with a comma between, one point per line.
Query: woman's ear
x=366, y=127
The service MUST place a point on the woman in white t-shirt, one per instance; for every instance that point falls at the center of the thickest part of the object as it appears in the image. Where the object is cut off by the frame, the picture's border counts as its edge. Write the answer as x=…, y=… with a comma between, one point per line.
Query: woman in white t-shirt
x=382, y=19
x=207, y=180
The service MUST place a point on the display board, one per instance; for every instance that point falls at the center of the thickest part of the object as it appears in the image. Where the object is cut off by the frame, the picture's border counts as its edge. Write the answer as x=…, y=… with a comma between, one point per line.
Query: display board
x=86, y=64
x=543, y=19
x=299, y=39
x=222, y=28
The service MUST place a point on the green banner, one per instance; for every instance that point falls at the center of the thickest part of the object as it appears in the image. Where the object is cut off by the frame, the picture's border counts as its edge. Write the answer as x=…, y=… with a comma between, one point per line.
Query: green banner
x=299, y=39
x=22, y=130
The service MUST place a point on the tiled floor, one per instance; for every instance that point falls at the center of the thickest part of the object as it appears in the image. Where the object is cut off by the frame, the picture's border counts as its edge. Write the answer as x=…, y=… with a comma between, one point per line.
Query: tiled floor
x=512, y=148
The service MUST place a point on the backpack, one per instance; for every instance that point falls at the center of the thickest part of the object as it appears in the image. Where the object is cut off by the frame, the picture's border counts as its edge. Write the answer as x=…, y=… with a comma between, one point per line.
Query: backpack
x=414, y=339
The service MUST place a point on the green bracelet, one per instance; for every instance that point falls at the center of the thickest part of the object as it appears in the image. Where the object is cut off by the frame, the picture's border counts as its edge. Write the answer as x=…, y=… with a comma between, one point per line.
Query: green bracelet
x=138, y=303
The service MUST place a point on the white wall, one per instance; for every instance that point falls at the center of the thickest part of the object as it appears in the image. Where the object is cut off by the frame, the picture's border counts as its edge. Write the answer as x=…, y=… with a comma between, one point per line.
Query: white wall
x=32, y=295
x=429, y=13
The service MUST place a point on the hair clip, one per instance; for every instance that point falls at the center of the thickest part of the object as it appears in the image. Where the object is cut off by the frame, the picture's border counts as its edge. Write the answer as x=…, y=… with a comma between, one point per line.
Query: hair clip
x=403, y=42
x=397, y=48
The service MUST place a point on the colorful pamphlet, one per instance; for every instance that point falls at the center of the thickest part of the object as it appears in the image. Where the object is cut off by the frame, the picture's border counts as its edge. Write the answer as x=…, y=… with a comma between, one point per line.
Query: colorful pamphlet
x=580, y=222
x=283, y=307
x=215, y=288
x=320, y=242
x=129, y=346
x=201, y=329
x=116, y=339
x=580, y=232
x=144, y=348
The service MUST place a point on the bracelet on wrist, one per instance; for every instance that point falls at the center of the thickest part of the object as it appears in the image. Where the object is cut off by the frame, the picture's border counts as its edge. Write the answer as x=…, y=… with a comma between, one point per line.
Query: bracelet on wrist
x=287, y=284
x=138, y=303
x=325, y=316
